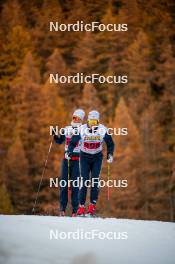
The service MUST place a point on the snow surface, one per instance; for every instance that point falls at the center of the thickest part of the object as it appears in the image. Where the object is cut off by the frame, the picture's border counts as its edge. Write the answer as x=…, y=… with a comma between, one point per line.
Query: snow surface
x=26, y=240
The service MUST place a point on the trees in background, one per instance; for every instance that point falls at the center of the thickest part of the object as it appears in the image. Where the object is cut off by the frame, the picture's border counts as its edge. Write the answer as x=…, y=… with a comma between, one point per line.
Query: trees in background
x=29, y=103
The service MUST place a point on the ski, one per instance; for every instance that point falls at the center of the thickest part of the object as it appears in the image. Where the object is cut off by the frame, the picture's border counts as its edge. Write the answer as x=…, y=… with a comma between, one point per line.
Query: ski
x=88, y=216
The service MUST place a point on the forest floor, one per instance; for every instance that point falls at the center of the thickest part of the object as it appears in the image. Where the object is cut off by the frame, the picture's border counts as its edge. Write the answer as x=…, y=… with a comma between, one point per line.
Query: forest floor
x=46, y=239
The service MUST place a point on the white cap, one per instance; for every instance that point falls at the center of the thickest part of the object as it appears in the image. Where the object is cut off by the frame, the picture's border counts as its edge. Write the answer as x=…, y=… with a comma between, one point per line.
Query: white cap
x=94, y=115
x=80, y=113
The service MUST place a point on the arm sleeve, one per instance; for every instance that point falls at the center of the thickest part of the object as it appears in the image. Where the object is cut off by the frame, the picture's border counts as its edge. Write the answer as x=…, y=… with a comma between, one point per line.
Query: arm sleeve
x=73, y=143
x=110, y=144
x=59, y=139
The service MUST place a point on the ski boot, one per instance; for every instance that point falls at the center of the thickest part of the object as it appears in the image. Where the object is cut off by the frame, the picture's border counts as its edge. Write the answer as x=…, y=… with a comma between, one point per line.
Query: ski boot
x=62, y=213
x=91, y=210
x=74, y=214
x=81, y=210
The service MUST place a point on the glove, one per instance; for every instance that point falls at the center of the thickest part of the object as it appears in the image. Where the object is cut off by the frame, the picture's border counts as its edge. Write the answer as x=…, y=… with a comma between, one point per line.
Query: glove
x=68, y=155
x=109, y=158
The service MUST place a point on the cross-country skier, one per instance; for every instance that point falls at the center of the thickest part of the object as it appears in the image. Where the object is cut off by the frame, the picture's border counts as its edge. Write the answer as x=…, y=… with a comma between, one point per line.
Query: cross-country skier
x=70, y=168
x=91, y=136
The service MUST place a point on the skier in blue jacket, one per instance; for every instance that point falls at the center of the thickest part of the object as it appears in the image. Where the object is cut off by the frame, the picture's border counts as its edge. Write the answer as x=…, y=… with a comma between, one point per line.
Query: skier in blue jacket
x=73, y=167
x=91, y=137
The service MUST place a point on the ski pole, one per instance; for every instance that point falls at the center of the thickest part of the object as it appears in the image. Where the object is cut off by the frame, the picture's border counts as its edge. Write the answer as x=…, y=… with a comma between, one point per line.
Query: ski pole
x=108, y=175
x=42, y=176
x=69, y=188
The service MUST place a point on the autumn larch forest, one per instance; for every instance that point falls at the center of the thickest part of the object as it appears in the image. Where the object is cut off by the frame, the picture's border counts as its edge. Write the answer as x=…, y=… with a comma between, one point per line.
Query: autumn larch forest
x=29, y=104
